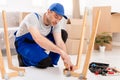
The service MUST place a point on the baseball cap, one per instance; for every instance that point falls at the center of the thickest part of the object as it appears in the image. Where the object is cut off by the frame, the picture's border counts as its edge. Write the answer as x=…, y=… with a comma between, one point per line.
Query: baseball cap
x=58, y=8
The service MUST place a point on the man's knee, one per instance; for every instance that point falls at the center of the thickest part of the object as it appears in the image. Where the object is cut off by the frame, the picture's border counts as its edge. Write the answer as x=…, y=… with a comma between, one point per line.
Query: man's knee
x=64, y=35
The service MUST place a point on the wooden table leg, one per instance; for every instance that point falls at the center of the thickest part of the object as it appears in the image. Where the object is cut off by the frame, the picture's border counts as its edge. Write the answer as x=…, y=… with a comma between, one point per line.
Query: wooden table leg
x=91, y=44
x=8, y=52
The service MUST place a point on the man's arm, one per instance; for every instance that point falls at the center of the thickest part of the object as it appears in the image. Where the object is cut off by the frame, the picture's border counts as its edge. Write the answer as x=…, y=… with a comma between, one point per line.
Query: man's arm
x=42, y=41
x=59, y=42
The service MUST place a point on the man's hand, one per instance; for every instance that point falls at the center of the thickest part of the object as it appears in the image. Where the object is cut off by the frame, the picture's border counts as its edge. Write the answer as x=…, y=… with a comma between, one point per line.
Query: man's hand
x=70, y=68
x=67, y=62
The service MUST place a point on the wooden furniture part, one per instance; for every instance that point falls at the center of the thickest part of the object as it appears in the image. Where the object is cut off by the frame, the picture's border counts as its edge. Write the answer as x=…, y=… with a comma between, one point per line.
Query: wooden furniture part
x=82, y=76
x=91, y=44
x=104, y=24
x=81, y=42
x=2, y=67
x=8, y=52
x=4, y=74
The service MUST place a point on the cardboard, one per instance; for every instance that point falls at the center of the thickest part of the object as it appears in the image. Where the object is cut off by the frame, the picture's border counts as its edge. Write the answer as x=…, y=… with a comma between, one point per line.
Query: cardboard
x=105, y=19
x=115, y=22
x=74, y=29
x=73, y=46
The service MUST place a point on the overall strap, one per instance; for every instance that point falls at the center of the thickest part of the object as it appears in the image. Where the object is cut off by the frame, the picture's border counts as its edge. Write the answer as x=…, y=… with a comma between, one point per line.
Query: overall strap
x=37, y=15
x=51, y=29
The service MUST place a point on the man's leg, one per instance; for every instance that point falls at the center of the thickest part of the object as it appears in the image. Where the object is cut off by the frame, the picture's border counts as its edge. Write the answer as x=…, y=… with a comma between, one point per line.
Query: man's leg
x=33, y=55
x=64, y=35
x=20, y=61
x=54, y=56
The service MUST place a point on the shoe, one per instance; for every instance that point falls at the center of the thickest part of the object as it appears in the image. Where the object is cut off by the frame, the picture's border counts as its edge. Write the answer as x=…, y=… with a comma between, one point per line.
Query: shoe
x=21, y=64
x=45, y=63
x=51, y=65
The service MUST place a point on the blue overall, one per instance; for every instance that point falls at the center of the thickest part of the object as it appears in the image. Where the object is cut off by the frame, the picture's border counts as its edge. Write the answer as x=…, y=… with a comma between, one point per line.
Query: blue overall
x=31, y=52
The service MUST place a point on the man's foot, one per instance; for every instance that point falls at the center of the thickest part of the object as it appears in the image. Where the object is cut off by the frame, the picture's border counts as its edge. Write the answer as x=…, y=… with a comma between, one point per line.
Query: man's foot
x=45, y=63
x=51, y=65
x=21, y=64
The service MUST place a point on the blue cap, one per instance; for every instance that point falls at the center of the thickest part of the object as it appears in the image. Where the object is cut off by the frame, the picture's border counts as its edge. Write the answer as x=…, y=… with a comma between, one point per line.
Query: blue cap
x=58, y=8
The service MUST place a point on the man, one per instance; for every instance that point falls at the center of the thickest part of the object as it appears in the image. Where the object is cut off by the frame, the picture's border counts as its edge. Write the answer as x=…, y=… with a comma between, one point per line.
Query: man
x=40, y=33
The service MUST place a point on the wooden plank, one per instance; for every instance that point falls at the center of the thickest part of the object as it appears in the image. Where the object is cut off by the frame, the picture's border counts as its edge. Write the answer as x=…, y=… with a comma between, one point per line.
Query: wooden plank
x=78, y=62
x=8, y=52
x=2, y=67
x=91, y=45
x=4, y=74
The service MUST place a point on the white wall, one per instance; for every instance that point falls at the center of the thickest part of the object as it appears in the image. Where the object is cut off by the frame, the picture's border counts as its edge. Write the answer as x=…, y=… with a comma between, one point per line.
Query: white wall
x=26, y=5
x=19, y=5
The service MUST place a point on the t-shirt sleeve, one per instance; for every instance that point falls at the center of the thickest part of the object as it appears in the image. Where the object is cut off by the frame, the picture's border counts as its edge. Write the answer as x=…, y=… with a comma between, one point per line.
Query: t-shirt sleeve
x=31, y=20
